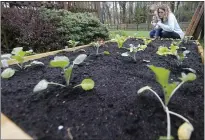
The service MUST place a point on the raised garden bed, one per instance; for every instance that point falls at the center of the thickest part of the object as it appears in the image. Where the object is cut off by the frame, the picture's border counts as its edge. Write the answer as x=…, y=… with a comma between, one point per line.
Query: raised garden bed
x=112, y=110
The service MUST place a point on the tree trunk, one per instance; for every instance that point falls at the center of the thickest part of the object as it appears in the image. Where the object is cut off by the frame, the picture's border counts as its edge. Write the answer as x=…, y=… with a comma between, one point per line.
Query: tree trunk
x=114, y=12
x=172, y=6
x=123, y=7
x=108, y=13
x=130, y=12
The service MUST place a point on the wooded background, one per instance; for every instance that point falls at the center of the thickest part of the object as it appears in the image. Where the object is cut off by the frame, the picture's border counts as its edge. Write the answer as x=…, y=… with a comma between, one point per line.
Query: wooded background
x=130, y=14
x=118, y=14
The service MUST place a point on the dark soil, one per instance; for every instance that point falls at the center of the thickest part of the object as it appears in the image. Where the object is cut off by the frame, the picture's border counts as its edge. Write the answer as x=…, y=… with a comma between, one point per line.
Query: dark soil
x=112, y=110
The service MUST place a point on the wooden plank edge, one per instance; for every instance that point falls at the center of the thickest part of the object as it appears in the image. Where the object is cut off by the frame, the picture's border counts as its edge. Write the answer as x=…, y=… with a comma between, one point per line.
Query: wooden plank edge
x=41, y=55
x=9, y=130
x=200, y=51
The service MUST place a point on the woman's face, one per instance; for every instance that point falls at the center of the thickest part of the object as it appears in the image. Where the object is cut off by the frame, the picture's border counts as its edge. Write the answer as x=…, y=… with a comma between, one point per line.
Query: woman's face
x=161, y=13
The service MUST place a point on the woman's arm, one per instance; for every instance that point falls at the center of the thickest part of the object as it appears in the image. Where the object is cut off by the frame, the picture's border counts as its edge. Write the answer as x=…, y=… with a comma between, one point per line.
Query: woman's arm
x=170, y=26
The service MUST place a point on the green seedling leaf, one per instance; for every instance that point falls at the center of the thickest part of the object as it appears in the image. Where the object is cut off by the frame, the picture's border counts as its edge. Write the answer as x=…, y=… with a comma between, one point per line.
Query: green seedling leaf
x=87, y=84
x=162, y=75
x=73, y=43
x=7, y=73
x=4, y=63
x=165, y=138
x=18, y=58
x=185, y=130
x=29, y=52
x=6, y=56
x=106, y=53
x=142, y=47
x=21, y=53
x=16, y=50
x=147, y=41
x=120, y=43
x=186, y=52
x=131, y=47
x=60, y=61
x=79, y=59
x=143, y=89
x=42, y=85
x=180, y=57
x=146, y=60
x=67, y=74
x=95, y=44
x=190, y=69
x=173, y=49
x=163, y=51
x=188, y=77
x=168, y=90
x=34, y=63
x=125, y=54
x=120, y=40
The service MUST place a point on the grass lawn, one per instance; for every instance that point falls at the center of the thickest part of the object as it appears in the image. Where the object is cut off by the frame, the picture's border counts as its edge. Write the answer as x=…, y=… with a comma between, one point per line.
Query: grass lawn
x=139, y=34
x=130, y=33
x=202, y=42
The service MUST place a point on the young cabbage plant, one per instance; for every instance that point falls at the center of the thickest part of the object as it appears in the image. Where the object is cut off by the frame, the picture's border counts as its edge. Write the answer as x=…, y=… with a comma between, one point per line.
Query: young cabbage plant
x=73, y=43
x=177, y=42
x=18, y=54
x=63, y=62
x=120, y=40
x=169, y=89
x=97, y=45
x=86, y=84
x=173, y=50
x=146, y=41
x=134, y=50
x=186, y=39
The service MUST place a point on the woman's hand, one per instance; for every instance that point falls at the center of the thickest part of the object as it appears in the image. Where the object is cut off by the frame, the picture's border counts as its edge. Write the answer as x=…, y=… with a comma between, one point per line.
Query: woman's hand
x=153, y=24
x=159, y=22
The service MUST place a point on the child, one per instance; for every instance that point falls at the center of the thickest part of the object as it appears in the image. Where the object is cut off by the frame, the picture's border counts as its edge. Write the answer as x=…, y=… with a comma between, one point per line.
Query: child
x=156, y=29
x=155, y=33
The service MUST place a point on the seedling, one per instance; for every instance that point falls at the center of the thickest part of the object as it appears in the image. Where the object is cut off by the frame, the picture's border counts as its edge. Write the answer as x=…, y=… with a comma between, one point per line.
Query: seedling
x=64, y=63
x=86, y=84
x=164, y=51
x=176, y=43
x=97, y=45
x=146, y=41
x=186, y=39
x=73, y=43
x=134, y=50
x=169, y=89
x=120, y=40
x=17, y=54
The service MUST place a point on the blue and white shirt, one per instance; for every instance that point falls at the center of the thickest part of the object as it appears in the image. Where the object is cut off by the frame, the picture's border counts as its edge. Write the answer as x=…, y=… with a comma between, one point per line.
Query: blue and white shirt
x=171, y=25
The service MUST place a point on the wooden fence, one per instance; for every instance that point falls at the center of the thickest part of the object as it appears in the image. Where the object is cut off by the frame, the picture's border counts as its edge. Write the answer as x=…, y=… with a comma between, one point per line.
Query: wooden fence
x=141, y=27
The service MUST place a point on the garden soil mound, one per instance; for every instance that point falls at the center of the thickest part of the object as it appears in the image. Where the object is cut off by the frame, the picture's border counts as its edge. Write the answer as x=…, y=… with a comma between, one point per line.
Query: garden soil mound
x=112, y=110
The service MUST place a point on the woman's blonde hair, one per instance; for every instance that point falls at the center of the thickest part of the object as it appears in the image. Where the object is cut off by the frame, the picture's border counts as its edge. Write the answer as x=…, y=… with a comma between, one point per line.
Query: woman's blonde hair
x=166, y=9
x=152, y=8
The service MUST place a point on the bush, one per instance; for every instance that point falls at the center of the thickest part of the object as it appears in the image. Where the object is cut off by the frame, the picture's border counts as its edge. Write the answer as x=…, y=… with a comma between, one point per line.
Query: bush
x=46, y=30
x=25, y=28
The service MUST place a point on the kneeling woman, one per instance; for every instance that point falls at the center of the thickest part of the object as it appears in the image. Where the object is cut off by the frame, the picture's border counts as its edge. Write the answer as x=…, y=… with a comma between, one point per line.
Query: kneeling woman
x=168, y=24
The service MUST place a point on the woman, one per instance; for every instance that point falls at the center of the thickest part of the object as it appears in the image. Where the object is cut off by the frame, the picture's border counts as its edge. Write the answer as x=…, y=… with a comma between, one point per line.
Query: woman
x=168, y=23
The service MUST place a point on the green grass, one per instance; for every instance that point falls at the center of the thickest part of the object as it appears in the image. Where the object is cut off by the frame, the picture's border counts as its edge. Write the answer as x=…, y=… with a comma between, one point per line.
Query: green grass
x=130, y=33
x=202, y=42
